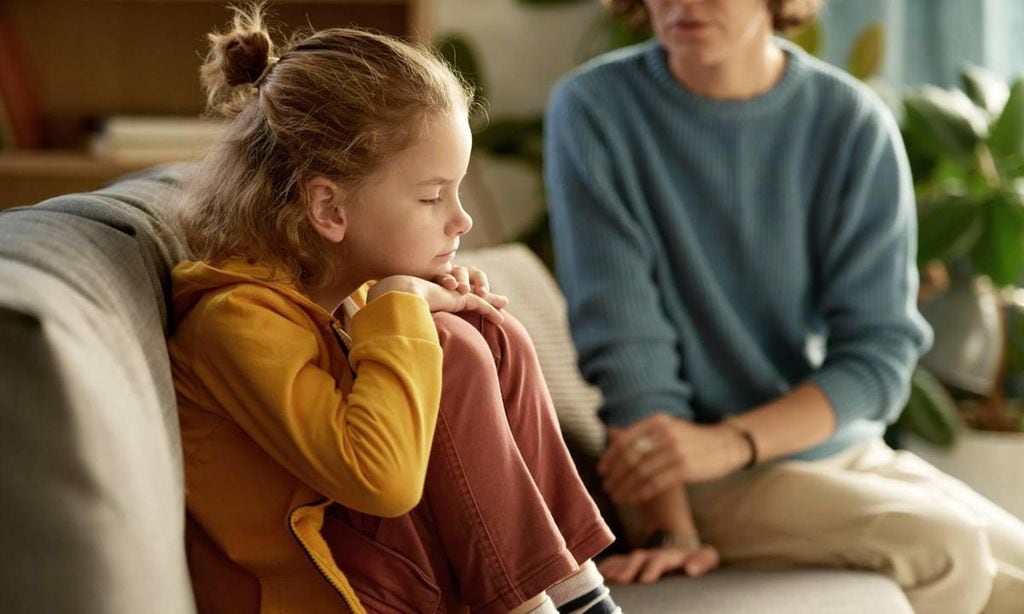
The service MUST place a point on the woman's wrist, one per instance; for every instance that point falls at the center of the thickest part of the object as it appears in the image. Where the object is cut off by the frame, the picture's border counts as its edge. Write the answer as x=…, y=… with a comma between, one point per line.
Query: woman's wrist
x=740, y=444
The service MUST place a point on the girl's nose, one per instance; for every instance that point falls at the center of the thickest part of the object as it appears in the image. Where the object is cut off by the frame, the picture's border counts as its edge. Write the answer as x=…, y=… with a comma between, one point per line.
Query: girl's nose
x=460, y=223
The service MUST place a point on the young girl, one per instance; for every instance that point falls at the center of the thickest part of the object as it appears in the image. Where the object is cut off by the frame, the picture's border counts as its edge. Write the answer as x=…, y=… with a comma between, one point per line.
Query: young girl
x=352, y=445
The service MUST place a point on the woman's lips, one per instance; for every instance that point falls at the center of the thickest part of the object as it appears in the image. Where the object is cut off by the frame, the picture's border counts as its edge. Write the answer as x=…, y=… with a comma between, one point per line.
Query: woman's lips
x=688, y=28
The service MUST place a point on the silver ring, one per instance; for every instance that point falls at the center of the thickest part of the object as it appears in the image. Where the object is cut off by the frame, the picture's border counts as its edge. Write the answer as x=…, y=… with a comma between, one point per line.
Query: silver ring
x=642, y=445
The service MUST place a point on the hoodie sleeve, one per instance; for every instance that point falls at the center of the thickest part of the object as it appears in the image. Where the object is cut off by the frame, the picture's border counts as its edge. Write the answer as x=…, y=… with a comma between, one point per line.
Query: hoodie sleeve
x=258, y=354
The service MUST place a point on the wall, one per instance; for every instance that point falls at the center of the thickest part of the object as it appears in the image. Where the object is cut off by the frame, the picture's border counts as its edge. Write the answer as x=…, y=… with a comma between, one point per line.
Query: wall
x=523, y=50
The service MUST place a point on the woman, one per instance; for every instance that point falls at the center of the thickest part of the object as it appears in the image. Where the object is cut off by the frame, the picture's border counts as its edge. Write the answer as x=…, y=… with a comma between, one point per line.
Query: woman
x=734, y=226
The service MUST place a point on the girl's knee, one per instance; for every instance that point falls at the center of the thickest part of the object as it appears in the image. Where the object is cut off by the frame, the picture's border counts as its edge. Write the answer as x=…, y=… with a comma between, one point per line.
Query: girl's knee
x=454, y=328
x=463, y=345
x=508, y=338
x=515, y=334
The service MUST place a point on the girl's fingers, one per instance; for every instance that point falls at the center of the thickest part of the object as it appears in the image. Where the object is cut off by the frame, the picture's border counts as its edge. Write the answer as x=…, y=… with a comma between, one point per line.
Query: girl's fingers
x=475, y=303
x=461, y=275
x=478, y=282
x=448, y=282
x=481, y=286
x=499, y=301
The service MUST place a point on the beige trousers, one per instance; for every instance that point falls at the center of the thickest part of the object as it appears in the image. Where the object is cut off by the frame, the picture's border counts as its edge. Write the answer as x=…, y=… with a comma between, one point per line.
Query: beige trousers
x=950, y=549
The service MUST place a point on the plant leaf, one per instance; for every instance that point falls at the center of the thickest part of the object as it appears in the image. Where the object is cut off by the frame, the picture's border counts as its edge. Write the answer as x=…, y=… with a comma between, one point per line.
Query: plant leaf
x=516, y=138
x=930, y=413
x=986, y=89
x=948, y=230
x=867, y=52
x=809, y=37
x=459, y=53
x=999, y=252
x=1007, y=138
x=944, y=122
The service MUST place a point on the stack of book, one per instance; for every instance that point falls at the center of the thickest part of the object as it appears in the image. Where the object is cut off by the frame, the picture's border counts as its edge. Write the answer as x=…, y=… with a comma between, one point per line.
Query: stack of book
x=144, y=139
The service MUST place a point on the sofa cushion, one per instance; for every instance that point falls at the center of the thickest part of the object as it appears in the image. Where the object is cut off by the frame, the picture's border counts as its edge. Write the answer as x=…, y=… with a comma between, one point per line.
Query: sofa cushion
x=90, y=462
x=739, y=591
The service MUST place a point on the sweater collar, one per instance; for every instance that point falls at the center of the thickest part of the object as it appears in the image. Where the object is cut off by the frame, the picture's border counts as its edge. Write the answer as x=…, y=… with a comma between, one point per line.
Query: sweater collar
x=656, y=61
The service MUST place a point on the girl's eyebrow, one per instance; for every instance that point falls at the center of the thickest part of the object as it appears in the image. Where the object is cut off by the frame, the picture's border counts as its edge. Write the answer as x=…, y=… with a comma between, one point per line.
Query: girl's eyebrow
x=435, y=181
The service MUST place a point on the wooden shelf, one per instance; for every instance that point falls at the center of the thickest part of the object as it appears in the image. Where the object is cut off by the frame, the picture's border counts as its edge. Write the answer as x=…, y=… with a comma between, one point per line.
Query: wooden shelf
x=91, y=59
x=27, y=177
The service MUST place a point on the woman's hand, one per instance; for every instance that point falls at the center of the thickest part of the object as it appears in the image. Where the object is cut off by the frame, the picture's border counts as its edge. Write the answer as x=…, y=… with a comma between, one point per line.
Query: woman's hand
x=465, y=280
x=662, y=452
x=440, y=298
x=648, y=564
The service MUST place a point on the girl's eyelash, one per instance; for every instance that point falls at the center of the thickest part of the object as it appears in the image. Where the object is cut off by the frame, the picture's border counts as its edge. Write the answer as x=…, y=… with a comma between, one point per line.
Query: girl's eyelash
x=431, y=201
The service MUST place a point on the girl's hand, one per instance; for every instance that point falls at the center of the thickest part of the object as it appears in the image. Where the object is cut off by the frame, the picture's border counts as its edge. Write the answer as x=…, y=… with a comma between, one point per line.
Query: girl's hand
x=465, y=280
x=661, y=452
x=648, y=564
x=438, y=298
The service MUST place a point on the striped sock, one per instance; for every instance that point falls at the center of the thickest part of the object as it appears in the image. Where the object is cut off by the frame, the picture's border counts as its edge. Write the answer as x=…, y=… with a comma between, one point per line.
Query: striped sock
x=584, y=592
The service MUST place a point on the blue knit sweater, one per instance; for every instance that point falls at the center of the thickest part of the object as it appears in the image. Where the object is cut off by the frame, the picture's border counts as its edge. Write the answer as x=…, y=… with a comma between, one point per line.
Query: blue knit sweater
x=715, y=254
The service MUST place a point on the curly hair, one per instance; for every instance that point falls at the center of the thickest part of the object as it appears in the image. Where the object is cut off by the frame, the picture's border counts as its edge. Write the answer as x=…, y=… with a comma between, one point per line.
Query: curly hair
x=336, y=103
x=786, y=14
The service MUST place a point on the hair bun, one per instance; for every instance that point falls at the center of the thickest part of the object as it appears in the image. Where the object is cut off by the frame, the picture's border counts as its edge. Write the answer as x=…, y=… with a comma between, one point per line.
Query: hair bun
x=236, y=57
x=246, y=55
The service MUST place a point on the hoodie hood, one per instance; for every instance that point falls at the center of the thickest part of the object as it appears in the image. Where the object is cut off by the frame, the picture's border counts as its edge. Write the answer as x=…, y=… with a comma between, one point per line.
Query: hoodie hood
x=191, y=280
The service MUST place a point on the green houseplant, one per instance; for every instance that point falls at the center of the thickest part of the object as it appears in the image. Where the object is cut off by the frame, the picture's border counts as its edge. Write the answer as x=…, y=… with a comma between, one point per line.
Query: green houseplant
x=966, y=149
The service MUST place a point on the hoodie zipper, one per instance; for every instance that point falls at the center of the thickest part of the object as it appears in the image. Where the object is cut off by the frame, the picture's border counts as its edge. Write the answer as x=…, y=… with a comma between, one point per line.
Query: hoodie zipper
x=309, y=553
x=343, y=338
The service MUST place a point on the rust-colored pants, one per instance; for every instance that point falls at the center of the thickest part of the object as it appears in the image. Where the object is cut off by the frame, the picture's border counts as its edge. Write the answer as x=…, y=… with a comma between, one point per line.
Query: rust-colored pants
x=504, y=514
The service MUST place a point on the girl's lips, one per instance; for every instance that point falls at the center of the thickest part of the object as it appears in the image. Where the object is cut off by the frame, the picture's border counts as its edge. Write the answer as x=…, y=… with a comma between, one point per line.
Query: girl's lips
x=447, y=255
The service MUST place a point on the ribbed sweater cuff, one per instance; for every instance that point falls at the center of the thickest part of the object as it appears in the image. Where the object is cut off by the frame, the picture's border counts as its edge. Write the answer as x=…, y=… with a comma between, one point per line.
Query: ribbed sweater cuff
x=852, y=397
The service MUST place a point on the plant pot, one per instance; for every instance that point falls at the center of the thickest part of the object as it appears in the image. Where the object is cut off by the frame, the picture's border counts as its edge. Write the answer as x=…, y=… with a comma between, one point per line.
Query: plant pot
x=968, y=335
x=989, y=462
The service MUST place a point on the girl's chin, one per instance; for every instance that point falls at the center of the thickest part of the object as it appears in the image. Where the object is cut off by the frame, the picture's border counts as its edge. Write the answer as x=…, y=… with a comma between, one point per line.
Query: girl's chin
x=445, y=268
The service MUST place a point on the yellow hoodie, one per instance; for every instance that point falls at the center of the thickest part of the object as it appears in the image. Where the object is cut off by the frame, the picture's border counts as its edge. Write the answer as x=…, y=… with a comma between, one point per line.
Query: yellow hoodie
x=277, y=423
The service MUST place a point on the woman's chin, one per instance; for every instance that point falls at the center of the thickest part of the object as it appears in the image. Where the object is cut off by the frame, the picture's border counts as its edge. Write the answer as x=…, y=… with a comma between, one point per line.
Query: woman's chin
x=701, y=53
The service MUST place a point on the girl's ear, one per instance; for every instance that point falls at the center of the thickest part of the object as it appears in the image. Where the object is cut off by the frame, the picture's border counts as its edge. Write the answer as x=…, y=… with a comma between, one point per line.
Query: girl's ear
x=325, y=208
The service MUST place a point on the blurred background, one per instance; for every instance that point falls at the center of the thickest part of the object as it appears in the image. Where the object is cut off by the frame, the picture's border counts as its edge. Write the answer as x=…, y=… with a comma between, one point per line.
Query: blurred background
x=91, y=90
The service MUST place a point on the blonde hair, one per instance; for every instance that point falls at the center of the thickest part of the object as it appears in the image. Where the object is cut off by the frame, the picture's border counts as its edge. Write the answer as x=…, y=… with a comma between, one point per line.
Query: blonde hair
x=786, y=14
x=336, y=103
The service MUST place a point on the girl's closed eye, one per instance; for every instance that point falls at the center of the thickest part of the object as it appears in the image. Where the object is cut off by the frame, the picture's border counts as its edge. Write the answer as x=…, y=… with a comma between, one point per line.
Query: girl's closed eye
x=431, y=201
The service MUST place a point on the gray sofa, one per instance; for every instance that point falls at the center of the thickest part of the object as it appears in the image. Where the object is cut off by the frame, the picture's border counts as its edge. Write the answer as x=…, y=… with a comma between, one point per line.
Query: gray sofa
x=90, y=465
